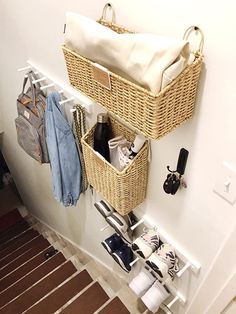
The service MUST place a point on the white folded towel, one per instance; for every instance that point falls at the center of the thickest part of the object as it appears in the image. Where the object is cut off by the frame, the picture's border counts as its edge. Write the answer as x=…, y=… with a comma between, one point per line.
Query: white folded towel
x=149, y=60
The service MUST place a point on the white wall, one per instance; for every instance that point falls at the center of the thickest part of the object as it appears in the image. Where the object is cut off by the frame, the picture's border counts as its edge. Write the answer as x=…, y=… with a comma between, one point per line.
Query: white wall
x=196, y=217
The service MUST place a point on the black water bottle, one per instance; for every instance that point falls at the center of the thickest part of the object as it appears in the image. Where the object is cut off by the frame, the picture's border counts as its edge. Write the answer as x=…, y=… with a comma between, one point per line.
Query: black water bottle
x=102, y=136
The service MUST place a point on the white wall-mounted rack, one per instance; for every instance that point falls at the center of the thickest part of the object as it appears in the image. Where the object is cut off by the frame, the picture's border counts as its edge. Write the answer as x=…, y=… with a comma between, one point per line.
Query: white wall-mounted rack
x=188, y=262
x=67, y=91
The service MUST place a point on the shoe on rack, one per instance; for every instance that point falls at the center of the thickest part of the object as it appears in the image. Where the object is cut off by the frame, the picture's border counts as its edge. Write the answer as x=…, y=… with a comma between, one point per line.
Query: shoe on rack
x=142, y=282
x=155, y=296
x=164, y=261
x=174, y=269
x=112, y=243
x=121, y=224
x=147, y=243
x=104, y=208
x=123, y=256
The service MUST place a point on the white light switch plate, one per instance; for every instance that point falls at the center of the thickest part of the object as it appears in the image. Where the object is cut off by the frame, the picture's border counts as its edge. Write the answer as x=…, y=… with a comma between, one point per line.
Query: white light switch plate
x=225, y=185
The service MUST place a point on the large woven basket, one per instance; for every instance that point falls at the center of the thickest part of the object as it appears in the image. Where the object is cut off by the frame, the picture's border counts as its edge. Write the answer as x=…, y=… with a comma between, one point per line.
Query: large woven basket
x=123, y=190
x=153, y=115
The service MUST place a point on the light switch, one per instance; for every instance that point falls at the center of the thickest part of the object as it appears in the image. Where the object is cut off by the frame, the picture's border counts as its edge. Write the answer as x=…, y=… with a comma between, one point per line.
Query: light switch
x=225, y=185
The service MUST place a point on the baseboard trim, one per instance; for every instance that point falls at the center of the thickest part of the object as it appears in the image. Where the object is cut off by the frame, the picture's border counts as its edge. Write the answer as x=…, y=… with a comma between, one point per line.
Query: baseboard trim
x=70, y=241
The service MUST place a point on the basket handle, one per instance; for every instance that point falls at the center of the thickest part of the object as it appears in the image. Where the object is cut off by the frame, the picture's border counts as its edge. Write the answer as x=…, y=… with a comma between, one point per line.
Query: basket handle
x=196, y=29
x=104, y=12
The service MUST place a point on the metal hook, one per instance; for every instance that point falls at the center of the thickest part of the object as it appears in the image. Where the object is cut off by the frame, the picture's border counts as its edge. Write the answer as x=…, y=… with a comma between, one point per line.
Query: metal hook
x=171, y=171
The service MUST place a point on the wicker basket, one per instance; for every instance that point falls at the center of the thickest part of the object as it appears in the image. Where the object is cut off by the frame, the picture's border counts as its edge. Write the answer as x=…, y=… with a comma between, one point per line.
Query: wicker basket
x=123, y=190
x=153, y=115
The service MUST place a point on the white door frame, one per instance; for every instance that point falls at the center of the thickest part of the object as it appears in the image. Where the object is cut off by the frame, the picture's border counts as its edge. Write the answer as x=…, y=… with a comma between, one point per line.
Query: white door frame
x=219, y=285
x=224, y=297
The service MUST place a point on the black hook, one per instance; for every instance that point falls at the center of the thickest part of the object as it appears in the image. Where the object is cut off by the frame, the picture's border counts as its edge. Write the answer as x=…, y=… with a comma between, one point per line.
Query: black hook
x=182, y=160
x=171, y=171
x=172, y=183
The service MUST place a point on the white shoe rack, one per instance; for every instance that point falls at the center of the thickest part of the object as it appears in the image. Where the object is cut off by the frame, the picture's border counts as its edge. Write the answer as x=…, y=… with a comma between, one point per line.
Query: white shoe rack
x=189, y=264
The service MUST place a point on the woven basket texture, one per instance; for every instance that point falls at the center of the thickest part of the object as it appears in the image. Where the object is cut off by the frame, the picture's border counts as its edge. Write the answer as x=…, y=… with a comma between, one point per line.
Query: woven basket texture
x=152, y=115
x=123, y=190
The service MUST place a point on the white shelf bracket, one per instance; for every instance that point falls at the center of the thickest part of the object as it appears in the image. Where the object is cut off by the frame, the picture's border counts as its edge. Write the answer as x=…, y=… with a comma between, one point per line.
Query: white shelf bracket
x=104, y=228
x=181, y=272
x=47, y=86
x=137, y=224
x=39, y=80
x=169, y=305
x=66, y=100
x=134, y=261
x=28, y=67
x=178, y=297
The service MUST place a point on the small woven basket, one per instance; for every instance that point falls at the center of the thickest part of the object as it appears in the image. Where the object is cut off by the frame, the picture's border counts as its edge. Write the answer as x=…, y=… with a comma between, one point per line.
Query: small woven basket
x=123, y=190
x=154, y=115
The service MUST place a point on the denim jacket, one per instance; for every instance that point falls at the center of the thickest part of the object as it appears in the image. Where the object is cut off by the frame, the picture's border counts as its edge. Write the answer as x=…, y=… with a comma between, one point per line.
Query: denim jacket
x=63, y=154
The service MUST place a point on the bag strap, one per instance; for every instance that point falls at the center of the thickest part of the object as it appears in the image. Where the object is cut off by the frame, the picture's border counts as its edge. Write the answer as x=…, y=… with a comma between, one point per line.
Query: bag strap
x=80, y=130
x=27, y=77
x=34, y=87
x=104, y=13
x=24, y=83
x=31, y=76
x=189, y=31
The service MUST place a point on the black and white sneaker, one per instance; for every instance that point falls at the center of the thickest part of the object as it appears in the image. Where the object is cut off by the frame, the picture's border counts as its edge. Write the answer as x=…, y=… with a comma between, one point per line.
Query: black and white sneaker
x=104, y=208
x=123, y=256
x=147, y=243
x=164, y=262
x=121, y=224
x=113, y=243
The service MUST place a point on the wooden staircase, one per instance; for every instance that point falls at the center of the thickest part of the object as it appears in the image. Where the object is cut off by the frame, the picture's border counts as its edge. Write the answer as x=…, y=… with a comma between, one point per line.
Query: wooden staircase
x=37, y=277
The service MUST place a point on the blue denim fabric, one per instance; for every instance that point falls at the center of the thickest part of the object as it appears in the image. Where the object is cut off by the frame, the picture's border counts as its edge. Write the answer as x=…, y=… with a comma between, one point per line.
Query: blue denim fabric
x=63, y=154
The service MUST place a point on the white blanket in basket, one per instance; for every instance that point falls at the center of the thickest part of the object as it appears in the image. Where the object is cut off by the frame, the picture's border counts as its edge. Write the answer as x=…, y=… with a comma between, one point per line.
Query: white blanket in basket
x=149, y=60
